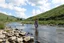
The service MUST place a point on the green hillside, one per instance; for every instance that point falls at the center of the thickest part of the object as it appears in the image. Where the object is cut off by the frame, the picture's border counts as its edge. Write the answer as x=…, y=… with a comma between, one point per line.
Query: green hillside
x=53, y=16
x=6, y=19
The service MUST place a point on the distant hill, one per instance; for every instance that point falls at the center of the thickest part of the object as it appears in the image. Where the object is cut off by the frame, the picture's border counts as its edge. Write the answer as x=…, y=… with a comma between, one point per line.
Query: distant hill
x=7, y=18
x=55, y=15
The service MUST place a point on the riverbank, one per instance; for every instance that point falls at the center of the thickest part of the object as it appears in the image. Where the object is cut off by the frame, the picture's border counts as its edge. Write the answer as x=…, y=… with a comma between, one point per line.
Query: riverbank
x=15, y=36
x=56, y=22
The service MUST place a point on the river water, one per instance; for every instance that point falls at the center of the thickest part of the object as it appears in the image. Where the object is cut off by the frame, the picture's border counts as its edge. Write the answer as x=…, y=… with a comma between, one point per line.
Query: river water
x=47, y=34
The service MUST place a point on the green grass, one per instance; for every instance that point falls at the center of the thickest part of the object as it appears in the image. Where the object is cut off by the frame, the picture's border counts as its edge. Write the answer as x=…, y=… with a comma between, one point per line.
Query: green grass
x=2, y=26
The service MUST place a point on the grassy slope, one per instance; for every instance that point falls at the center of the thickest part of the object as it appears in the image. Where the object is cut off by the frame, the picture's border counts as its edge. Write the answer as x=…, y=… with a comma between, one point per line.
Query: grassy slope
x=6, y=19
x=53, y=16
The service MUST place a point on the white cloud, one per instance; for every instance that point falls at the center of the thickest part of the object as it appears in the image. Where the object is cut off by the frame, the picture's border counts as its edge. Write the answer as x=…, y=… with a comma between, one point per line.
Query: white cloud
x=58, y=1
x=20, y=12
x=2, y=1
x=14, y=5
x=21, y=15
x=35, y=12
x=32, y=2
x=42, y=7
x=19, y=9
x=17, y=2
x=10, y=14
x=3, y=12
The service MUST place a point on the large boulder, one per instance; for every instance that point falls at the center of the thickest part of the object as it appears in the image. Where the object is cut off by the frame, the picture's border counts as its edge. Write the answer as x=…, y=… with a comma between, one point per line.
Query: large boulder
x=27, y=38
x=19, y=39
x=22, y=33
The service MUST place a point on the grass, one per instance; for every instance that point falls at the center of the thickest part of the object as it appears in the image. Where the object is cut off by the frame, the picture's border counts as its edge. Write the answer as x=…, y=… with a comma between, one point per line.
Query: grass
x=2, y=26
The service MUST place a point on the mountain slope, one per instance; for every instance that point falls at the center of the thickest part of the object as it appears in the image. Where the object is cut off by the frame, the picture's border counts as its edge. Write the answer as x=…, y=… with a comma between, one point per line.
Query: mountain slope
x=5, y=18
x=56, y=15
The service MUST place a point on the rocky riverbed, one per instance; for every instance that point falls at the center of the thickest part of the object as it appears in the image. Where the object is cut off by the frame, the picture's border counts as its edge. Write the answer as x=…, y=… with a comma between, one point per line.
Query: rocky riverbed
x=15, y=36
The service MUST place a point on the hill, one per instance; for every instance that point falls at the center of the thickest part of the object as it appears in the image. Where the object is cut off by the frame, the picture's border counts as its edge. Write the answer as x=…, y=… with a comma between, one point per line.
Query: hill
x=6, y=19
x=53, y=16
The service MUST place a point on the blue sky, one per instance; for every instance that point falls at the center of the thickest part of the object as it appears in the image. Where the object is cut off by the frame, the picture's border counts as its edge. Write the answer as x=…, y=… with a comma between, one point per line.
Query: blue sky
x=27, y=8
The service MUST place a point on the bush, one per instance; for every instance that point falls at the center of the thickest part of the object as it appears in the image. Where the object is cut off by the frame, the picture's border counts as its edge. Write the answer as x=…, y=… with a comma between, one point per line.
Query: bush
x=1, y=25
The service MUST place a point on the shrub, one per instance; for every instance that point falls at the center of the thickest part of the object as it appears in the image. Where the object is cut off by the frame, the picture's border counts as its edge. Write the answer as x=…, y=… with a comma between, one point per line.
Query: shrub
x=1, y=25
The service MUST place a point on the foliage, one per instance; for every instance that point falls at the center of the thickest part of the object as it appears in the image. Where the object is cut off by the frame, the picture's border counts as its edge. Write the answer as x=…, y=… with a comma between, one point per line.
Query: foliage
x=2, y=25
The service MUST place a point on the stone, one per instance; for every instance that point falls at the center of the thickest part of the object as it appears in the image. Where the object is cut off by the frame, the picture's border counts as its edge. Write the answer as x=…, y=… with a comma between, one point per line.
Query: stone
x=8, y=35
x=16, y=34
x=4, y=32
x=20, y=39
x=1, y=40
x=1, y=31
x=13, y=38
x=7, y=41
x=27, y=38
x=32, y=37
x=22, y=33
x=2, y=36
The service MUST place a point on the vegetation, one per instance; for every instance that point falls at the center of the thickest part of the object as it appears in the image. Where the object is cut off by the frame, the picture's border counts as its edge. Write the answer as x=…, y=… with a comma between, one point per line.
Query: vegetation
x=53, y=16
x=6, y=19
x=2, y=25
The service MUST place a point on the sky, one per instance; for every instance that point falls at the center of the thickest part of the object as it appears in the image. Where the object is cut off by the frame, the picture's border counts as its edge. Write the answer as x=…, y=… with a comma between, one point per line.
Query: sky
x=27, y=8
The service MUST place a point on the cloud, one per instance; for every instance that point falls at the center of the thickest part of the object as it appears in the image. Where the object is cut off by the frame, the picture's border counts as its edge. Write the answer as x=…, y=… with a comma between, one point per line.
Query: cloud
x=19, y=9
x=57, y=2
x=44, y=5
x=17, y=2
x=2, y=1
x=14, y=5
x=41, y=6
x=5, y=13
x=21, y=15
x=35, y=12
x=32, y=2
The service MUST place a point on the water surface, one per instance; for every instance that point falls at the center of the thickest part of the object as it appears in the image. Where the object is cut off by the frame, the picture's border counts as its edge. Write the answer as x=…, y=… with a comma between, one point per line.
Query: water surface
x=47, y=34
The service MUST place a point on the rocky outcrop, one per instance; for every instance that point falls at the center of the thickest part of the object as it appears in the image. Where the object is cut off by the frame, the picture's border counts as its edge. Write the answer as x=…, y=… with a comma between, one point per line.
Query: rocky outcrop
x=15, y=36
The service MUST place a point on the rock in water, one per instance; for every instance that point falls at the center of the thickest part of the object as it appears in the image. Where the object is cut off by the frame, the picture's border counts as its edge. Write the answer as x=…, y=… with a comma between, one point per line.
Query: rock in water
x=23, y=33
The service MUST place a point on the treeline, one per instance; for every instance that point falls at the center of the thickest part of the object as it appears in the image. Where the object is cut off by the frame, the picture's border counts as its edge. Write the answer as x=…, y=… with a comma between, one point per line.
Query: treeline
x=59, y=17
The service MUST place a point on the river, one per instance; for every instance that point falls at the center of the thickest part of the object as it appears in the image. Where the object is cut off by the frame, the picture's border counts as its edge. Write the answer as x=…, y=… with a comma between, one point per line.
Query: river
x=47, y=34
